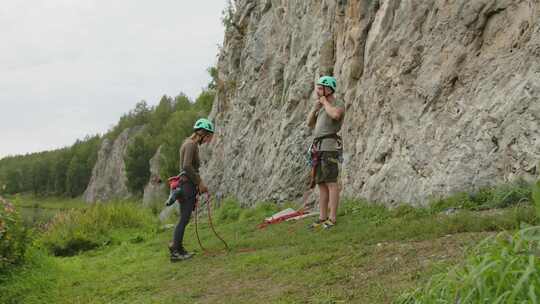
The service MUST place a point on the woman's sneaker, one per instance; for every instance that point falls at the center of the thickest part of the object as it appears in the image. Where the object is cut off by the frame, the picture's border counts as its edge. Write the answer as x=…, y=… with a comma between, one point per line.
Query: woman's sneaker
x=328, y=224
x=180, y=255
x=317, y=224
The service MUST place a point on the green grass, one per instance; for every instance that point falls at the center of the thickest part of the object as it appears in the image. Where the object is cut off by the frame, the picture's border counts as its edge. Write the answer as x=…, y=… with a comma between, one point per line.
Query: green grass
x=97, y=225
x=373, y=255
x=486, y=198
x=501, y=269
x=36, y=281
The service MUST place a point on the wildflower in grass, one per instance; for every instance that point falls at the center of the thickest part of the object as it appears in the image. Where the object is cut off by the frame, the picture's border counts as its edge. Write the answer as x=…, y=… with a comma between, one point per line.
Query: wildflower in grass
x=13, y=236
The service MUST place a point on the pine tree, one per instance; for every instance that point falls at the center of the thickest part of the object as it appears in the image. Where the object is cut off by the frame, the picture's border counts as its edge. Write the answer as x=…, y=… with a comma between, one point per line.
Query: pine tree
x=137, y=160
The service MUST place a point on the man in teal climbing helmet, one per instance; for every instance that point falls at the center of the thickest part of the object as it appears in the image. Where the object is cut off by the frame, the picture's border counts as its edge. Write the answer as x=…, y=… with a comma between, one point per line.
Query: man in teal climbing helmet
x=326, y=118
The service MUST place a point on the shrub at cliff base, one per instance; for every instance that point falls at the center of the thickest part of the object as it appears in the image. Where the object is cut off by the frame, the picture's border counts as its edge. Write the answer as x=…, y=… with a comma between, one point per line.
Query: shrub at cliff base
x=13, y=236
x=84, y=229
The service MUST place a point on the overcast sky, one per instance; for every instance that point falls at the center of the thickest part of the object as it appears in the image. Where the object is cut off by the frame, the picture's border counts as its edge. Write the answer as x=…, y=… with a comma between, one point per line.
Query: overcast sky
x=70, y=68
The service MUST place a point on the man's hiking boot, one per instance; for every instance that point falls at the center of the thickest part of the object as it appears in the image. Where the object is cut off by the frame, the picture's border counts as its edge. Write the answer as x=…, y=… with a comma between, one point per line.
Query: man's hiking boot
x=180, y=255
x=328, y=224
x=317, y=224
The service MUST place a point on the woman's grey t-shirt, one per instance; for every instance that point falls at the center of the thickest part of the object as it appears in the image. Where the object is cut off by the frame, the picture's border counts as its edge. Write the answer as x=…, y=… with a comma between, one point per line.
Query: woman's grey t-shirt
x=325, y=125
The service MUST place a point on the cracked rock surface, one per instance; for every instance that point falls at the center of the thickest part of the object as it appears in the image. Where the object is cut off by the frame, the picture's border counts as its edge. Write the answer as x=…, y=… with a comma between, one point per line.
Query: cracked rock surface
x=441, y=96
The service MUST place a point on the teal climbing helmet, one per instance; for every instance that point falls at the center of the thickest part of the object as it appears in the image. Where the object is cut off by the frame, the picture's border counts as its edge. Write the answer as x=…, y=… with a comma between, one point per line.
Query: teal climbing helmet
x=328, y=81
x=204, y=124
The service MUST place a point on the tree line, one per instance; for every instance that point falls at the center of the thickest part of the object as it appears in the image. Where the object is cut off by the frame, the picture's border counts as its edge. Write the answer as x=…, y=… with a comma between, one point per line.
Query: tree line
x=67, y=171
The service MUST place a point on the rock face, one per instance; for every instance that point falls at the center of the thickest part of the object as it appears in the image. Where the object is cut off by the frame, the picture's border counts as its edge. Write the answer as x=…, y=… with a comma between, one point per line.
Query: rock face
x=109, y=178
x=441, y=96
x=155, y=190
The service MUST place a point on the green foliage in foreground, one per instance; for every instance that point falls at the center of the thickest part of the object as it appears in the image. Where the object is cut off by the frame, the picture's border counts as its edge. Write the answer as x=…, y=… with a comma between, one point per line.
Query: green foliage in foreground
x=13, y=237
x=373, y=255
x=501, y=269
x=500, y=196
x=83, y=229
x=35, y=281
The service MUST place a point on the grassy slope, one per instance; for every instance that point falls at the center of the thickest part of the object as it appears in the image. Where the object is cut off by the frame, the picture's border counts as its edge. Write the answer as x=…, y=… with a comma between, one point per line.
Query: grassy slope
x=371, y=256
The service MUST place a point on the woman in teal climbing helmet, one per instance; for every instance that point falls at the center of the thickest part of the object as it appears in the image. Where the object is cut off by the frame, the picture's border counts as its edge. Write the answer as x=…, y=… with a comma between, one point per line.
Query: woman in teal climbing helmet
x=326, y=118
x=203, y=132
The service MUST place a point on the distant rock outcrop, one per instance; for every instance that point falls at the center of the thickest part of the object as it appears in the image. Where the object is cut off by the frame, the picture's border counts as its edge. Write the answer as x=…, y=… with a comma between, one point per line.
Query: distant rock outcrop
x=109, y=178
x=155, y=190
x=441, y=96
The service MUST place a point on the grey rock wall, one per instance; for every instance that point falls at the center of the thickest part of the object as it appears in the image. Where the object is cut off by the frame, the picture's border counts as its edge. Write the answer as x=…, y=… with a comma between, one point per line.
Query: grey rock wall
x=441, y=96
x=155, y=191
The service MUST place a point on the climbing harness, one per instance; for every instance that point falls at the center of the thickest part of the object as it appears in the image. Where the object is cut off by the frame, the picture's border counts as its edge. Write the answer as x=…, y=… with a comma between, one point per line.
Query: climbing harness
x=314, y=159
x=175, y=188
x=315, y=155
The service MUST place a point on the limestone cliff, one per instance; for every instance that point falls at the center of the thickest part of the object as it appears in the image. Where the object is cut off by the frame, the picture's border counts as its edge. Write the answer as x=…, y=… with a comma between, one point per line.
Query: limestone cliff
x=109, y=178
x=440, y=95
x=155, y=191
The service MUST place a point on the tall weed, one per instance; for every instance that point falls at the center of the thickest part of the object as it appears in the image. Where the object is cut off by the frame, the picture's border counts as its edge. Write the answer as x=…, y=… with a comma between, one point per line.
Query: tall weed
x=501, y=269
x=536, y=198
x=229, y=211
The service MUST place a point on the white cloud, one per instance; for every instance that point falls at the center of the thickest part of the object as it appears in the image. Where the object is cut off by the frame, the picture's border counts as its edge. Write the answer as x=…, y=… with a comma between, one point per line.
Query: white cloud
x=71, y=68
